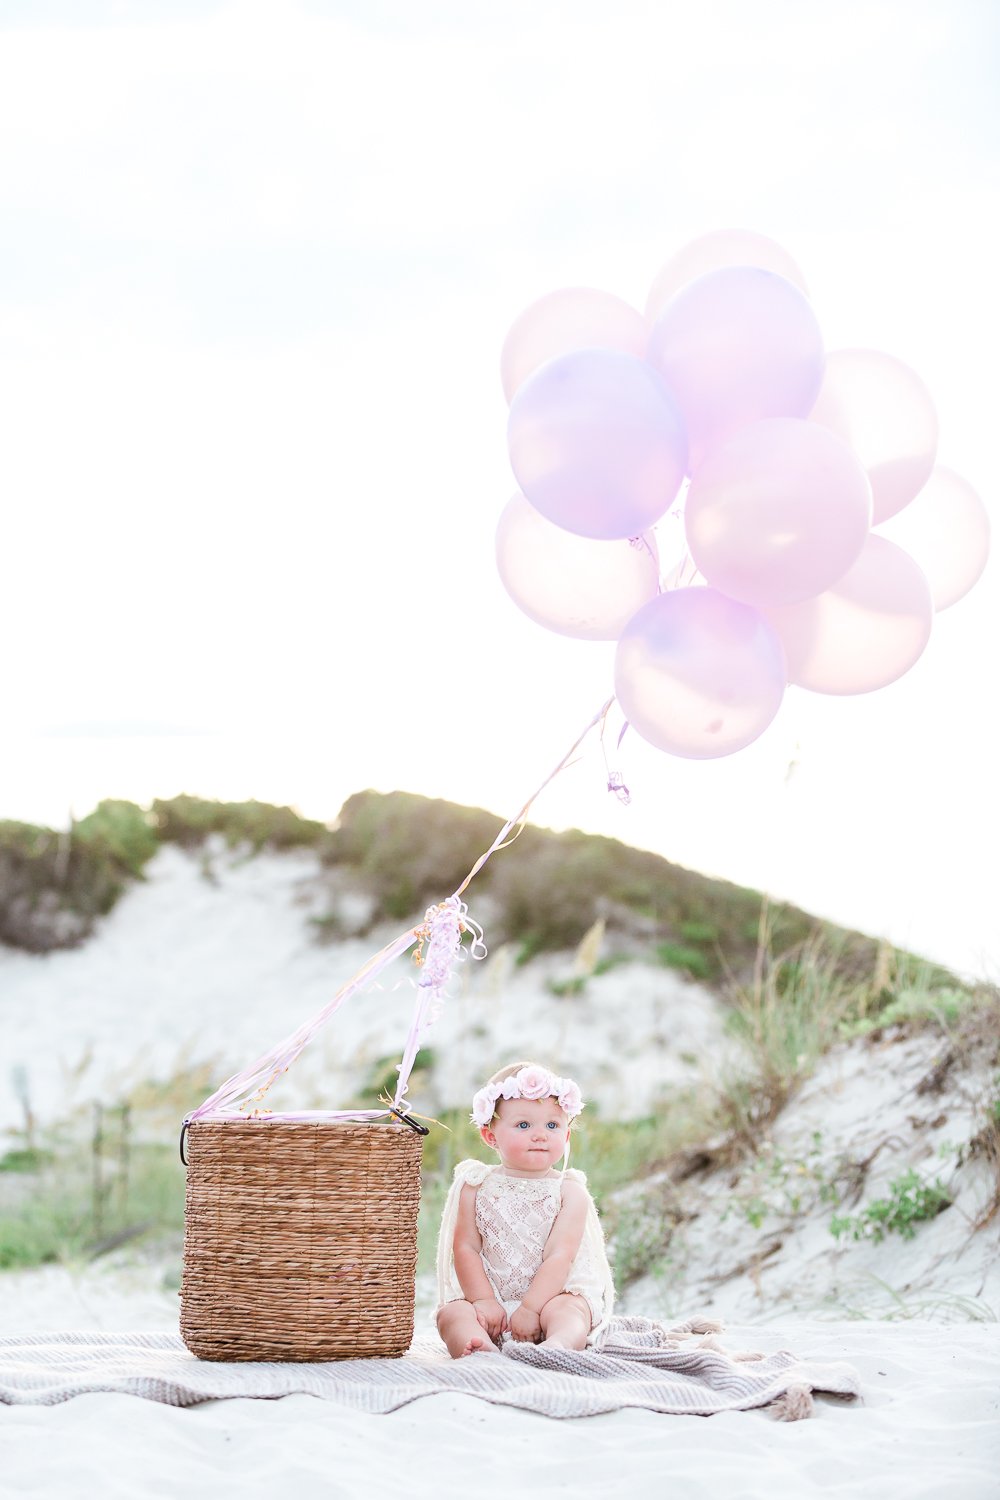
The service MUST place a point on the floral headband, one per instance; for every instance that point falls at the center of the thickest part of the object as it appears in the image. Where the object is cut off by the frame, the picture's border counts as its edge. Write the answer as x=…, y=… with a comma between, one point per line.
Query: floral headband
x=529, y=1083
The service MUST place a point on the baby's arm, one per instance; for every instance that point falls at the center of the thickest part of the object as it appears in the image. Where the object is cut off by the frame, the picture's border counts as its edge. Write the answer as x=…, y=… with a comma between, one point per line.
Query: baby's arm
x=560, y=1250
x=469, y=1269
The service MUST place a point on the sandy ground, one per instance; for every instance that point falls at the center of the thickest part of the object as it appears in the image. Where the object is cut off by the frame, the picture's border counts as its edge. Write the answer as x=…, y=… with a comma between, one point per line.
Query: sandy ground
x=927, y=1426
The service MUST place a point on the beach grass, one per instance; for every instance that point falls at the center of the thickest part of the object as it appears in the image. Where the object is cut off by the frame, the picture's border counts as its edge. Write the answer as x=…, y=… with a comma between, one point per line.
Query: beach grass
x=86, y=1194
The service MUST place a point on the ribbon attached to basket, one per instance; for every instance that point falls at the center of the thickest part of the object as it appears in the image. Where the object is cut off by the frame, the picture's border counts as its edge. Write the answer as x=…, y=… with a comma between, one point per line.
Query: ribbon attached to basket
x=438, y=944
x=440, y=934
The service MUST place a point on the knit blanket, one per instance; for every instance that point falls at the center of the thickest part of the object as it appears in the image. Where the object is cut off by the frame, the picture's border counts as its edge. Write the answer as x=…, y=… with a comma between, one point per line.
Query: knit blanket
x=641, y=1363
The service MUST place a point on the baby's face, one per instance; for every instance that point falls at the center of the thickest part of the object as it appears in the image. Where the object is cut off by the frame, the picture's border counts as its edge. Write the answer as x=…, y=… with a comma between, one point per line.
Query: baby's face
x=530, y=1134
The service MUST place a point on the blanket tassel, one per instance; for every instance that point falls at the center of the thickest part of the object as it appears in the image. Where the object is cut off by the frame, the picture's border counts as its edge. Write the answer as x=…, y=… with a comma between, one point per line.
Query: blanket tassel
x=794, y=1405
x=699, y=1325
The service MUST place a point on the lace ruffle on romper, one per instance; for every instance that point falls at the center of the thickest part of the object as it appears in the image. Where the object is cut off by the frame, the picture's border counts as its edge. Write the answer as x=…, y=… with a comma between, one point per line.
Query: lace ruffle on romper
x=514, y=1216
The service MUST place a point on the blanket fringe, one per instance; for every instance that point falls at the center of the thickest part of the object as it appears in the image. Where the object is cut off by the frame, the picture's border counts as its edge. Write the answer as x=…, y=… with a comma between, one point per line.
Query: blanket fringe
x=796, y=1404
x=699, y=1325
x=710, y=1341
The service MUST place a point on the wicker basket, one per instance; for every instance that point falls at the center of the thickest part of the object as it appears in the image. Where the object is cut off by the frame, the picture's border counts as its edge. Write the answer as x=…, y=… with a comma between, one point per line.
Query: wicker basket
x=300, y=1239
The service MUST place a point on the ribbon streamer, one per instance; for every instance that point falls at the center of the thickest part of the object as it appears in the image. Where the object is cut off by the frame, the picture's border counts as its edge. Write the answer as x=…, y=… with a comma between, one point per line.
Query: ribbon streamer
x=440, y=934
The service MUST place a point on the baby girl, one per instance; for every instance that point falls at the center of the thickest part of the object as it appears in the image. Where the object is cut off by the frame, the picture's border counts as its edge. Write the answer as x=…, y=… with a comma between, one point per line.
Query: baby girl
x=521, y=1252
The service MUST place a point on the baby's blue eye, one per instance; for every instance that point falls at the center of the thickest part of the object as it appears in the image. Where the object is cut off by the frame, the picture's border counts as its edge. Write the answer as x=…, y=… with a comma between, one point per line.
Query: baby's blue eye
x=522, y=1125
x=553, y=1125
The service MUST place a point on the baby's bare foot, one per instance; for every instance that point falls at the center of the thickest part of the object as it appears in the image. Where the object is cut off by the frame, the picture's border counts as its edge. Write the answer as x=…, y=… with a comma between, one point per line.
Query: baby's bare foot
x=480, y=1343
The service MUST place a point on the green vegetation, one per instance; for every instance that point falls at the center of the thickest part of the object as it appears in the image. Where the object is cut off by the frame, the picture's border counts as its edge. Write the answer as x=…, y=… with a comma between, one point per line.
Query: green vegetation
x=120, y=831
x=254, y=825
x=408, y=851
x=941, y=1004
x=54, y=886
x=404, y=852
x=690, y=961
x=911, y=1201
x=103, y=1176
x=779, y=1184
x=548, y=890
x=87, y=1192
x=802, y=1000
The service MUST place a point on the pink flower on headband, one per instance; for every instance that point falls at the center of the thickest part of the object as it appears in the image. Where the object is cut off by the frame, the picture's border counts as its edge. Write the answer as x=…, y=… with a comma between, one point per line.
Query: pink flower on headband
x=533, y=1083
x=530, y=1083
x=483, y=1106
x=569, y=1098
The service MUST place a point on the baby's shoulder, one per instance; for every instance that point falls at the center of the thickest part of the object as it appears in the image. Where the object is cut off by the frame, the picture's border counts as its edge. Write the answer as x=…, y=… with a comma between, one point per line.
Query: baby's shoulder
x=574, y=1185
x=472, y=1173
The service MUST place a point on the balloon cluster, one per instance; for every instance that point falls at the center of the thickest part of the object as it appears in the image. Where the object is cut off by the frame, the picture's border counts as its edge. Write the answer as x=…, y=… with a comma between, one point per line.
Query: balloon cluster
x=719, y=417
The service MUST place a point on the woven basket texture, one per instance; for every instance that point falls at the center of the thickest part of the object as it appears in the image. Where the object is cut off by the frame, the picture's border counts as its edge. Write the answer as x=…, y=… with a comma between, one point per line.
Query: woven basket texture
x=300, y=1239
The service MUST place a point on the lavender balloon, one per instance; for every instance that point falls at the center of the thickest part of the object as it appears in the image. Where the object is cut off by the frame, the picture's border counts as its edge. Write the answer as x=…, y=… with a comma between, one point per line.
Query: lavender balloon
x=573, y=584
x=699, y=675
x=883, y=409
x=946, y=531
x=713, y=251
x=865, y=631
x=597, y=443
x=575, y=317
x=734, y=346
x=777, y=512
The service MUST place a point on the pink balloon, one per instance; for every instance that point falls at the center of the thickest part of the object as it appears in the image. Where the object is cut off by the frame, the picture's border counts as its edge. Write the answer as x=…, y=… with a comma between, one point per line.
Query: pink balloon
x=572, y=584
x=865, y=631
x=735, y=346
x=712, y=252
x=698, y=674
x=883, y=409
x=577, y=317
x=947, y=533
x=597, y=444
x=777, y=512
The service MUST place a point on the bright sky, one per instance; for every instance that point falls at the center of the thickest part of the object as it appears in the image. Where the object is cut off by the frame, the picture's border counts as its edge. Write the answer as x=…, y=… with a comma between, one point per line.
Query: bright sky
x=257, y=261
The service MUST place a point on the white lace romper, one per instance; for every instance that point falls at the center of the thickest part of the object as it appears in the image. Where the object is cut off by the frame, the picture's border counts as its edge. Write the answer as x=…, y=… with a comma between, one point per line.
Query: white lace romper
x=514, y=1216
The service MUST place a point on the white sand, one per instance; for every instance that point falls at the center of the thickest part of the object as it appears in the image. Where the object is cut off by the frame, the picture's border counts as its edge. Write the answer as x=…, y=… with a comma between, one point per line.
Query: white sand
x=928, y=1426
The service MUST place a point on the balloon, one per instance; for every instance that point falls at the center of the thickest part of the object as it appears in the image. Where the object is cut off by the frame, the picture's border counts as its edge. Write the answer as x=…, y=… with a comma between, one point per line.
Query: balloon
x=713, y=251
x=572, y=584
x=947, y=533
x=777, y=512
x=865, y=631
x=597, y=444
x=577, y=317
x=698, y=674
x=735, y=346
x=883, y=409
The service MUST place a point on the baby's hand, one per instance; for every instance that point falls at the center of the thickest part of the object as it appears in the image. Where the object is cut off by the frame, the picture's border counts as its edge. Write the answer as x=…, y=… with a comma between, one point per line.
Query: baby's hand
x=525, y=1325
x=491, y=1317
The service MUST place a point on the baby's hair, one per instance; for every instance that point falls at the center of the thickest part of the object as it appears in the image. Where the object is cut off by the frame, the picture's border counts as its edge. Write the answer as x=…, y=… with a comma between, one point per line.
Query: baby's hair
x=503, y=1073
